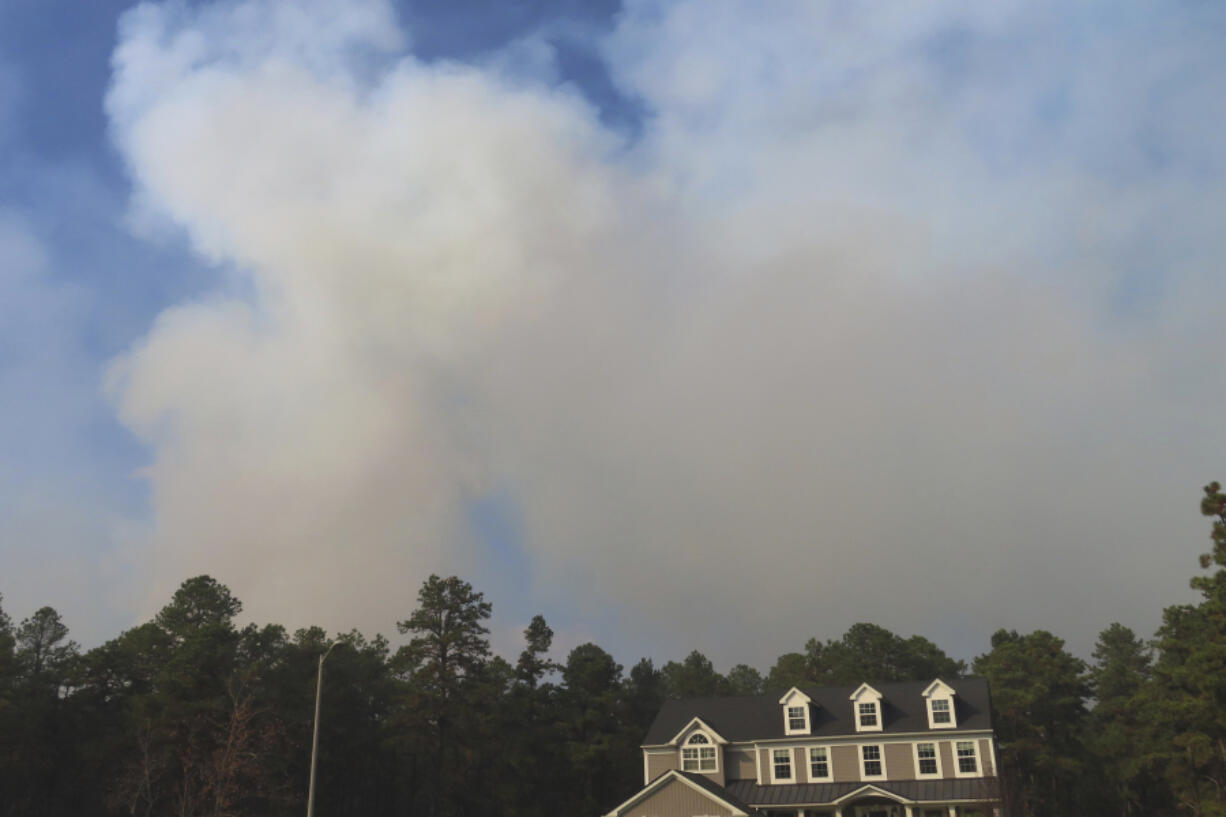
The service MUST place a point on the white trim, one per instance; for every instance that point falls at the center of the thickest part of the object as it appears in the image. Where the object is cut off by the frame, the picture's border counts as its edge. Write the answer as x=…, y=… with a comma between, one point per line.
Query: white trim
x=646, y=768
x=864, y=775
x=892, y=737
x=787, y=720
x=958, y=766
x=865, y=694
x=938, y=690
x=871, y=789
x=859, y=716
x=795, y=699
x=865, y=688
x=673, y=774
x=930, y=706
x=794, y=692
x=936, y=749
x=677, y=739
x=938, y=686
x=706, y=743
x=791, y=753
x=829, y=764
x=757, y=763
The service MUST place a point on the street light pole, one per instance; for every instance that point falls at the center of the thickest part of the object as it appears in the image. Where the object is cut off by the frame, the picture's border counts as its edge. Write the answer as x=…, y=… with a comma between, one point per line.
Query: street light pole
x=319, y=685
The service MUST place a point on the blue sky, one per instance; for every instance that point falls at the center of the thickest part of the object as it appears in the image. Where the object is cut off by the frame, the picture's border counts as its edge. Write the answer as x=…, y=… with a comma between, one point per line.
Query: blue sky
x=687, y=324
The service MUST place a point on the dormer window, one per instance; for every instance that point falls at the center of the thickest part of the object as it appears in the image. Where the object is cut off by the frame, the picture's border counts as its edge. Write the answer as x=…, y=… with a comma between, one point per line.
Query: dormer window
x=698, y=754
x=866, y=708
x=795, y=712
x=698, y=746
x=939, y=697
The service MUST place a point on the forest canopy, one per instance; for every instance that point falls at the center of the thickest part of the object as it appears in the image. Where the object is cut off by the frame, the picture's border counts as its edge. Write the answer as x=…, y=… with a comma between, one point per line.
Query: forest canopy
x=192, y=714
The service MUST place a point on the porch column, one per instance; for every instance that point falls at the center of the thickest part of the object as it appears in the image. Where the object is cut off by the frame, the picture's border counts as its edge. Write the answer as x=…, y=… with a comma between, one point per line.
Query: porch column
x=838, y=811
x=910, y=813
x=953, y=811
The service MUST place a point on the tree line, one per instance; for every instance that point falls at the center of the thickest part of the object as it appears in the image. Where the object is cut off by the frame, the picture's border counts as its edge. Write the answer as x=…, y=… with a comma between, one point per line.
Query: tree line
x=190, y=714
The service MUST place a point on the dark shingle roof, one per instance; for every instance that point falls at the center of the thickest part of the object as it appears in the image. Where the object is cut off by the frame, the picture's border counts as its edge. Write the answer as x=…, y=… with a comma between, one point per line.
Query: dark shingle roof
x=714, y=788
x=971, y=788
x=759, y=717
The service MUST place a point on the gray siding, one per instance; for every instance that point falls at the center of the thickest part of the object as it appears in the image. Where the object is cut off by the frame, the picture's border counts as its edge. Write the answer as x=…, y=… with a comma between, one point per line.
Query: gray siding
x=985, y=756
x=764, y=768
x=739, y=764
x=676, y=799
x=846, y=762
x=659, y=764
x=947, y=758
x=899, y=761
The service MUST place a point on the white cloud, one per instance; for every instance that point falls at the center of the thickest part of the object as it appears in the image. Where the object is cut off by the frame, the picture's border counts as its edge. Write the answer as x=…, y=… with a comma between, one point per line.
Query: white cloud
x=823, y=346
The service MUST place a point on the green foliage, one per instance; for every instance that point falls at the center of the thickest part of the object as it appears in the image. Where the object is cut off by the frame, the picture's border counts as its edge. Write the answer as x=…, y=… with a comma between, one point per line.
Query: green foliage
x=449, y=642
x=791, y=670
x=595, y=727
x=869, y=652
x=449, y=689
x=1122, y=668
x=1039, y=693
x=695, y=677
x=192, y=714
x=1183, y=706
x=534, y=661
x=744, y=680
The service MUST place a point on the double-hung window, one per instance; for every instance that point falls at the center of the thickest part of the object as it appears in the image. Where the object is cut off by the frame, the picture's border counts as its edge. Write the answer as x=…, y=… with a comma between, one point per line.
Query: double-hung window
x=868, y=714
x=871, y=761
x=926, y=756
x=782, y=764
x=698, y=754
x=797, y=722
x=968, y=758
x=819, y=763
x=940, y=711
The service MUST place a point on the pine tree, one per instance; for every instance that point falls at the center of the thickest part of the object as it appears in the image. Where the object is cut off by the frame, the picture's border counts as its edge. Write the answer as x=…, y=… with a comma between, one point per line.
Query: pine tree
x=1185, y=705
x=445, y=658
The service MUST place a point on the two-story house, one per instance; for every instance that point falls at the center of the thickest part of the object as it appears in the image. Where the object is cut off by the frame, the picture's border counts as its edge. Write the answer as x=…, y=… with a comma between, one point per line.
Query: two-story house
x=908, y=749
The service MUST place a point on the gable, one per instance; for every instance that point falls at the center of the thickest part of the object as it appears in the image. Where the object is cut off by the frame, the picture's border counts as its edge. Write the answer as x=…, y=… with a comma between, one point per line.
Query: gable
x=697, y=725
x=937, y=687
x=794, y=697
x=864, y=692
x=674, y=795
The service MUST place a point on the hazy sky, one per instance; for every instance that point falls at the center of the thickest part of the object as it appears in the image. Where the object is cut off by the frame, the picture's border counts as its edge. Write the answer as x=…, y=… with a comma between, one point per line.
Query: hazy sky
x=690, y=325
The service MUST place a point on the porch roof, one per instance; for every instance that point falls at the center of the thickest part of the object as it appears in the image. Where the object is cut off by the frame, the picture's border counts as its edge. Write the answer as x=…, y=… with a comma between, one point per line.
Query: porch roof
x=969, y=789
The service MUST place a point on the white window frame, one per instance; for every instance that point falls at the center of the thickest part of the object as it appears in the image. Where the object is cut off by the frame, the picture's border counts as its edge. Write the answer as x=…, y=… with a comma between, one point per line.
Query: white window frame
x=875, y=726
x=791, y=765
x=933, y=723
x=795, y=699
x=829, y=764
x=936, y=751
x=938, y=690
x=707, y=742
x=865, y=694
x=864, y=775
x=978, y=760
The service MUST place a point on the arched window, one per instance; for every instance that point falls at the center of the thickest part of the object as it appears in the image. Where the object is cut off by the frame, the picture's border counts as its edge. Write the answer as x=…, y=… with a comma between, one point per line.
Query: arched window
x=698, y=755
